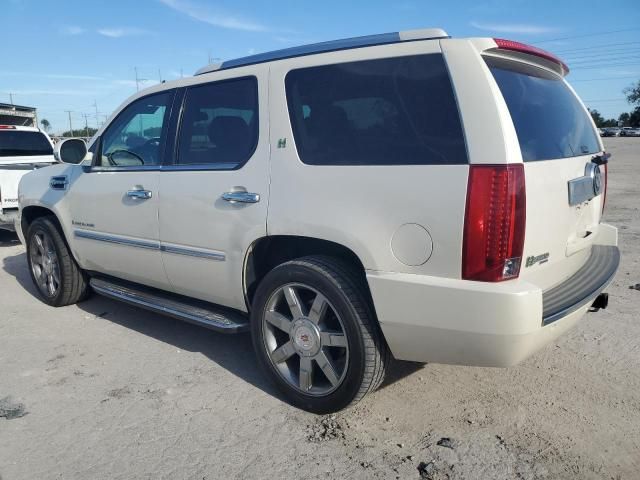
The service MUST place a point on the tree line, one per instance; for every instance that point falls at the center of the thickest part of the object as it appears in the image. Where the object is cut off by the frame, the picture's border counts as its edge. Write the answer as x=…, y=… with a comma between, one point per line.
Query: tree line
x=630, y=119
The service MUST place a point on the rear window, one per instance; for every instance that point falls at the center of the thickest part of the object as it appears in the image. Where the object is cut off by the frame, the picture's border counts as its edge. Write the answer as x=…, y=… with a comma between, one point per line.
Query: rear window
x=392, y=111
x=549, y=119
x=21, y=143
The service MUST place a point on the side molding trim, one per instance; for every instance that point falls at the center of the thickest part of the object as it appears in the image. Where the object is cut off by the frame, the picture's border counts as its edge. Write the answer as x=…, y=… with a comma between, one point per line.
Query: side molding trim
x=150, y=245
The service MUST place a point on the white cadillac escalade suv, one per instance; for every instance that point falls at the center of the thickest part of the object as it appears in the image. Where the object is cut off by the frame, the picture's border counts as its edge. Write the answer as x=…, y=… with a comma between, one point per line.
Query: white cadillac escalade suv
x=405, y=194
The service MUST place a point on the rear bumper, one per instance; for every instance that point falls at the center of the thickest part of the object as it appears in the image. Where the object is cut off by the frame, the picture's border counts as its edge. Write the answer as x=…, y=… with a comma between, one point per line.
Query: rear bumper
x=430, y=319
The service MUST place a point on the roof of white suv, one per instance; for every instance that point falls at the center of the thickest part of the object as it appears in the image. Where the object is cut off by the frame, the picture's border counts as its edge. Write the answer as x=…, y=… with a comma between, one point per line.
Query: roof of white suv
x=330, y=46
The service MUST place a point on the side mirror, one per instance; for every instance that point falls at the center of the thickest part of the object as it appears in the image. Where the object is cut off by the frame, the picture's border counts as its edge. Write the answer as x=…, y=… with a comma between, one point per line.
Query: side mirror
x=71, y=150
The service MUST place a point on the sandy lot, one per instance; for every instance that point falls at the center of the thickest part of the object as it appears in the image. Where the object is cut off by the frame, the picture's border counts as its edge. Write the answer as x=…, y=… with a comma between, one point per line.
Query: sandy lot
x=103, y=390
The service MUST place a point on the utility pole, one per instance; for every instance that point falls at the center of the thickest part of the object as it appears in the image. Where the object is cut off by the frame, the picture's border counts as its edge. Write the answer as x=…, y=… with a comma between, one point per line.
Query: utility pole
x=70, y=126
x=95, y=105
x=11, y=98
x=138, y=79
x=86, y=124
x=159, y=76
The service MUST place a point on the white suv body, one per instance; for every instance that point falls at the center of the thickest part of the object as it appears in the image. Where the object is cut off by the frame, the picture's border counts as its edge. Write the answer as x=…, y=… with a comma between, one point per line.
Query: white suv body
x=414, y=161
x=22, y=149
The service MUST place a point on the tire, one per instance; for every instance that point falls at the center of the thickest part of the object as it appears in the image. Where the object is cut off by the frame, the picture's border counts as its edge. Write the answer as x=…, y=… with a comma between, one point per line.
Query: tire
x=54, y=271
x=331, y=353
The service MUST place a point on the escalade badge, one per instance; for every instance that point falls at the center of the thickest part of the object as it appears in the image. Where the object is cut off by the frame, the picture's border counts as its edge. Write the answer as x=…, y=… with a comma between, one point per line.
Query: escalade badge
x=533, y=259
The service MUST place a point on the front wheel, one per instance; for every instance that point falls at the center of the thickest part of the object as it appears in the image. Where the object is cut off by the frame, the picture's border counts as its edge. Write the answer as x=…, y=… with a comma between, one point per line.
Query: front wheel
x=53, y=269
x=315, y=334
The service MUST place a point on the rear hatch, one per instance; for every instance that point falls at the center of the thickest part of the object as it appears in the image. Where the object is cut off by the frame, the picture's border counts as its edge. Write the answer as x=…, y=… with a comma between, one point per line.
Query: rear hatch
x=20, y=152
x=559, y=143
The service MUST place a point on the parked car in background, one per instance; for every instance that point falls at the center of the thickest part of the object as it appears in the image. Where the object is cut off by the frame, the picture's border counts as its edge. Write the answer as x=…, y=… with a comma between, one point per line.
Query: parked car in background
x=22, y=149
x=625, y=132
x=611, y=132
x=345, y=202
x=634, y=132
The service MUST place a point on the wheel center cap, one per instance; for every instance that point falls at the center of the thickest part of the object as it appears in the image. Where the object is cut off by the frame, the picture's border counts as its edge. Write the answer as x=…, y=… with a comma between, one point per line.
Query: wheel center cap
x=305, y=337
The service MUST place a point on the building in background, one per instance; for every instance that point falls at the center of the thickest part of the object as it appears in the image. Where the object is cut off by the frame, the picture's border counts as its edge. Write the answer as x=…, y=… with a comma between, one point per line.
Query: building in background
x=18, y=115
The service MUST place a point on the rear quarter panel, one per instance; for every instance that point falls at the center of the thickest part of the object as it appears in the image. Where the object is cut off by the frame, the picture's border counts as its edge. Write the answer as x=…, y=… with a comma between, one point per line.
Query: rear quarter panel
x=361, y=207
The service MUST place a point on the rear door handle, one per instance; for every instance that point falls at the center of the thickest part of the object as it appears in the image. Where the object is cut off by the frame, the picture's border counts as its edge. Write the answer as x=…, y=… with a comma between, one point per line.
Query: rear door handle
x=241, y=197
x=139, y=194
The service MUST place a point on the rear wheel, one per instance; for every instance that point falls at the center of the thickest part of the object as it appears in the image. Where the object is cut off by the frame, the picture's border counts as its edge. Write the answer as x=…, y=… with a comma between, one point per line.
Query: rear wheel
x=53, y=269
x=315, y=334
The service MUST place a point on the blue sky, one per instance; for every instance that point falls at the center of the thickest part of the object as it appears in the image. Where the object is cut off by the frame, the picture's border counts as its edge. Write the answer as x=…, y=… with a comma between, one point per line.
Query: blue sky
x=66, y=54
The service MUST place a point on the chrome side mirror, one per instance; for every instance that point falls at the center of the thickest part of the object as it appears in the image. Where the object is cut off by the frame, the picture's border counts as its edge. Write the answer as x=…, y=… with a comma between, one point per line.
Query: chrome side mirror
x=70, y=150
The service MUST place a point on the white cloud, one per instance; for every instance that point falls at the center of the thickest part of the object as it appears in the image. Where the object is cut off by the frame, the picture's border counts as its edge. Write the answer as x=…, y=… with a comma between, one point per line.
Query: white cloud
x=72, y=30
x=522, y=28
x=118, y=32
x=217, y=18
x=53, y=76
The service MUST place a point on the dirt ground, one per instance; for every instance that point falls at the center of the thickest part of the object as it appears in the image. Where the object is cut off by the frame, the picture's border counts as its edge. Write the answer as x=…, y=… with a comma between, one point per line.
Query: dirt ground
x=106, y=391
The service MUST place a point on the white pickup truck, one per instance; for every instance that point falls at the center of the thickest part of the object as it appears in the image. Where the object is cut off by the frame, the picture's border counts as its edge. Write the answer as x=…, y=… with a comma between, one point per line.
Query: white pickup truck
x=406, y=194
x=22, y=149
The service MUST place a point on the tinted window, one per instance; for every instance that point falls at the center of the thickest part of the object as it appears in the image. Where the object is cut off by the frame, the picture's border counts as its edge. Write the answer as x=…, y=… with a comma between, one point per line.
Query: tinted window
x=22, y=143
x=136, y=136
x=219, y=124
x=395, y=111
x=549, y=119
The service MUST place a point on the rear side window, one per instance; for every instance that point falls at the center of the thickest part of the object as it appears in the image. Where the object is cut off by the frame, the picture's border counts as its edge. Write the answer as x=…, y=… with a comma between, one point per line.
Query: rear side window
x=392, y=111
x=23, y=143
x=549, y=119
x=219, y=124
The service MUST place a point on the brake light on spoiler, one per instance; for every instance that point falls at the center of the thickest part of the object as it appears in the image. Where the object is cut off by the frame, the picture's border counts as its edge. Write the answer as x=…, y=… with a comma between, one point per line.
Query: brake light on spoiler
x=530, y=50
x=7, y=127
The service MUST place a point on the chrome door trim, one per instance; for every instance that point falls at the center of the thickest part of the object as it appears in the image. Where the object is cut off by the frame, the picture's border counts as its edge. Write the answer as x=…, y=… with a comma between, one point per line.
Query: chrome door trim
x=150, y=245
x=190, y=252
x=116, y=239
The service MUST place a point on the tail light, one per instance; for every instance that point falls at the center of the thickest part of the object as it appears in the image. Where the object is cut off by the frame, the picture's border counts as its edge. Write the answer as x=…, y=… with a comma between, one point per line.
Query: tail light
x=494, y=223
x=530, y=50
x=7, y=127
x=606, y=179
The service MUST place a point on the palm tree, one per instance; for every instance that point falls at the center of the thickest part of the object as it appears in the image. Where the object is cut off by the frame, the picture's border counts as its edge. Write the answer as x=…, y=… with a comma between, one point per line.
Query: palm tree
x=45, y=124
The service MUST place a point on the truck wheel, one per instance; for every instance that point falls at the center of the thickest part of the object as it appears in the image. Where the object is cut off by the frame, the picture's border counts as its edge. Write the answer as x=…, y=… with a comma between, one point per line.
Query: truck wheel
x=53, y=269
x=315, y=334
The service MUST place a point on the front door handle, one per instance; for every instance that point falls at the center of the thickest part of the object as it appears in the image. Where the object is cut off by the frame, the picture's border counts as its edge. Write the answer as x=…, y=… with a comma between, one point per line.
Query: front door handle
x=139, y=194
x=241, y=197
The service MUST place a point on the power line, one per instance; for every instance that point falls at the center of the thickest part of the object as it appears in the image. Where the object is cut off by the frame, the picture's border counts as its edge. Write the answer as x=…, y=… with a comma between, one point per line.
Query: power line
x=616, y=58
x=600, y=79
x=604, y=45
x=606, y=100
x=588, y=67
x=597, y=55
x=587, y=35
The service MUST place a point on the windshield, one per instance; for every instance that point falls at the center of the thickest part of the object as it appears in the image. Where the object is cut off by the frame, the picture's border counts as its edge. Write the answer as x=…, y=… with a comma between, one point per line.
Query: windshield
x=17, y=143
x=549, y=119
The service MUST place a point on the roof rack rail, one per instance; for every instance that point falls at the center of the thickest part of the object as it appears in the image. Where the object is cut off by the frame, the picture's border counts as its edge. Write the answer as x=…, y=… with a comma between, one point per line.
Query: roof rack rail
x=330, y=46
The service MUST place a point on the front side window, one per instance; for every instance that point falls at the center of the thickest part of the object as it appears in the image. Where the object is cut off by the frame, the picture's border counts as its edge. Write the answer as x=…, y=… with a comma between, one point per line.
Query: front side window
x=219, y=125
x=23, y=143
x=549, y=119
x=136, y=136
x=392, y=111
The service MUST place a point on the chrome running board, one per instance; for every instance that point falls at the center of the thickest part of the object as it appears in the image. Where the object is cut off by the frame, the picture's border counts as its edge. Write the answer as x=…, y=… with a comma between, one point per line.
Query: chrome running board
x=208, y=315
